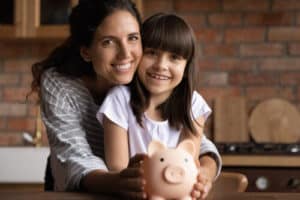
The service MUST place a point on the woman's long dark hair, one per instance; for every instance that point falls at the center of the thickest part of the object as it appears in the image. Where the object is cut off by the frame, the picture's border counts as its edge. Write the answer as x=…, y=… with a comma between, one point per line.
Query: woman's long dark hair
x=84, y=20
x=171, y=33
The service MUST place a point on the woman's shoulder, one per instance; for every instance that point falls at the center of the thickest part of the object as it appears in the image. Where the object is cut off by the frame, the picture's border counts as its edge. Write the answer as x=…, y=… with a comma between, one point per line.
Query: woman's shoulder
x=51, y=79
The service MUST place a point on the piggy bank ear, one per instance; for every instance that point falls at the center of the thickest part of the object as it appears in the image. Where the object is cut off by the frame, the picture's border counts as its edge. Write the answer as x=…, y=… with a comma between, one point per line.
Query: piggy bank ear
x=188, y=146
x=155, y=146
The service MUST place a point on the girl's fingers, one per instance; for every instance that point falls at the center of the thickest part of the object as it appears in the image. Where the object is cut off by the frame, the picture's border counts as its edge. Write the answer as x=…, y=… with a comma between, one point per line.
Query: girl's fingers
x=136, y=185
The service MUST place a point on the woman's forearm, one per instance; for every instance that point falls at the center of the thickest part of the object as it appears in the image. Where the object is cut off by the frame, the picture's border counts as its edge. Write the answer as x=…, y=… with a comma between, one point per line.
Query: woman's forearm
x=99, y=181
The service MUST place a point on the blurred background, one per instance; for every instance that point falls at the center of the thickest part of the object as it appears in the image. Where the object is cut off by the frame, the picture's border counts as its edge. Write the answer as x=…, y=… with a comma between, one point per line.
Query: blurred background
x=249, y=66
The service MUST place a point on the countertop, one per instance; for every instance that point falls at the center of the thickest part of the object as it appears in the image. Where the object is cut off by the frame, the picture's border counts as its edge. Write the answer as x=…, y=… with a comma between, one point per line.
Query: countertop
x=261, y=160
x=82, y=196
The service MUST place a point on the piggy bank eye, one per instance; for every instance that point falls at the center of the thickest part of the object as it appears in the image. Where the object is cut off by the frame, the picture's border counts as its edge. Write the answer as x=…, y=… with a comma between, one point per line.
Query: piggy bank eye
x=186, y=160
x=162, y=159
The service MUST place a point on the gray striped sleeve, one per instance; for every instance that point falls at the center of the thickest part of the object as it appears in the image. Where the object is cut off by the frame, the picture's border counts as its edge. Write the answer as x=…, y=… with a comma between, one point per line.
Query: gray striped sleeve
x=73, y=131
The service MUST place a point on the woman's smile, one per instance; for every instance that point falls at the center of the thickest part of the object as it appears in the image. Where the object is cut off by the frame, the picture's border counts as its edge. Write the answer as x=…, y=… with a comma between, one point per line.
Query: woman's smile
x=123, y=67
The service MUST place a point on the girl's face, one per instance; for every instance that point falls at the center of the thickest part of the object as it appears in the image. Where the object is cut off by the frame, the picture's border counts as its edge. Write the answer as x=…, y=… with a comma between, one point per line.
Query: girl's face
x=116, y=49
x=161, y=71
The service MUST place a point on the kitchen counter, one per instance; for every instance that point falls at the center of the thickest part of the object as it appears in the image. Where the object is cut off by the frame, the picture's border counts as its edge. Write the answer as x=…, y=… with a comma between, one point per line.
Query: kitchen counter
x=82, y=196
x=261, y=160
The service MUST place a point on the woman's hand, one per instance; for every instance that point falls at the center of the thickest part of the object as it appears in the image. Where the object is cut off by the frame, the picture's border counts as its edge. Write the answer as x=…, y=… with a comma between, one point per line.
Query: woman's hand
x=203, y=184
x=131, y=183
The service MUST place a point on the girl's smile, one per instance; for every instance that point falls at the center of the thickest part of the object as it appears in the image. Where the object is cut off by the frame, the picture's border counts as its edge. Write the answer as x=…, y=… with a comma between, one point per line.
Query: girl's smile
x=158, y=76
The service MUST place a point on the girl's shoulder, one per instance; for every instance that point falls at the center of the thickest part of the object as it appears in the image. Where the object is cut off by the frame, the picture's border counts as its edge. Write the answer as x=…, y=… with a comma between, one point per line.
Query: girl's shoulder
x=120, y=91
x=199, y=105
x=197, y=97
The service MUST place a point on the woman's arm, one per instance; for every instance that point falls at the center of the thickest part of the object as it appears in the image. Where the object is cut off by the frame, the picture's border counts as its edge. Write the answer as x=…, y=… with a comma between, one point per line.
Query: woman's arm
x=128, y=183
x=66, y=123
x=115, y=146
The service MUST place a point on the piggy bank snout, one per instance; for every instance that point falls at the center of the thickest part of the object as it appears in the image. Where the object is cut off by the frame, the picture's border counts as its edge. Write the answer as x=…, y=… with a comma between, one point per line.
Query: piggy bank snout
x=173, y=174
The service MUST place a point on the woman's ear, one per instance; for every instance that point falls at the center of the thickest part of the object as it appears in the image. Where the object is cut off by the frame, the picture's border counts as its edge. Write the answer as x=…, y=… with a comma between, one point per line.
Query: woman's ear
x=85, y=54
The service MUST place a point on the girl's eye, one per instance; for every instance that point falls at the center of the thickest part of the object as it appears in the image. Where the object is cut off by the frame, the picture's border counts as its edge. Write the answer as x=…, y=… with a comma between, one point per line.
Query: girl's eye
x=176, y=57
x=150, y=52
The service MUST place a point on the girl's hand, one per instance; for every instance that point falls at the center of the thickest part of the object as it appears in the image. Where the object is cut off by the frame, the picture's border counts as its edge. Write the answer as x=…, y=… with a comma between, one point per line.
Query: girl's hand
x=131, y=182
x=203, y=185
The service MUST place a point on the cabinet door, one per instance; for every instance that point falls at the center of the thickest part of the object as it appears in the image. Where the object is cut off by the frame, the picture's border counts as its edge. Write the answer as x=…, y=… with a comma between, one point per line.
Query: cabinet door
x=48, y=18
x=12, y=18
x=139, y=5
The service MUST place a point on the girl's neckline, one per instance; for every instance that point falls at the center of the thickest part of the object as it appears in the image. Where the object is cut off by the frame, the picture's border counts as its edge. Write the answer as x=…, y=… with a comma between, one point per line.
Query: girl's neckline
x=155, y=121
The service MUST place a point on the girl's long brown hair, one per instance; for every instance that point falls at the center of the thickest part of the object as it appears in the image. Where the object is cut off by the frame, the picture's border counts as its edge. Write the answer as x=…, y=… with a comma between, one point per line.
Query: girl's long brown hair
x=171, y=33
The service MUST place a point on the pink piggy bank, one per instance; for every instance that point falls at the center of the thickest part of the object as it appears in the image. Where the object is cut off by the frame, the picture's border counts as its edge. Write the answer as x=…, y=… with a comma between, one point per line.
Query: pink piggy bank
x=170, y=173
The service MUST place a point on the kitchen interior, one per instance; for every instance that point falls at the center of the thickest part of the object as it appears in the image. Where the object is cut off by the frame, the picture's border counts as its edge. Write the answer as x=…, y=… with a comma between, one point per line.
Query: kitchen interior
x=249, y=72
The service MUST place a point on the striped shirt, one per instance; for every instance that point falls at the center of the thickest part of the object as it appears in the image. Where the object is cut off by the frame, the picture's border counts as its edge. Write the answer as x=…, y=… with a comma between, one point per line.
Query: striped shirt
x=75, y=136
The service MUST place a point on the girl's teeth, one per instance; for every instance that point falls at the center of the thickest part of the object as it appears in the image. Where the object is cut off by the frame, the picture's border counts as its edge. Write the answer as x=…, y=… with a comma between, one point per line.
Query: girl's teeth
x=159, y=77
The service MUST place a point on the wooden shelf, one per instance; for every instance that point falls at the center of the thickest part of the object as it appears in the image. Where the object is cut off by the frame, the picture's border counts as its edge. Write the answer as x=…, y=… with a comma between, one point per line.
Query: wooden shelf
x=261, y=161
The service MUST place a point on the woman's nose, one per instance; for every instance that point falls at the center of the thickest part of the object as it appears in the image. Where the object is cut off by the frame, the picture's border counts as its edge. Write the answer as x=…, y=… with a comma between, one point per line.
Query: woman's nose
x=124, y=51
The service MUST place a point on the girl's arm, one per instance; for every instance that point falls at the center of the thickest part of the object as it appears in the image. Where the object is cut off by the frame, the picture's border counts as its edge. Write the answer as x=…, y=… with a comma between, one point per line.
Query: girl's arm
x=186, y=134
x=115, y=146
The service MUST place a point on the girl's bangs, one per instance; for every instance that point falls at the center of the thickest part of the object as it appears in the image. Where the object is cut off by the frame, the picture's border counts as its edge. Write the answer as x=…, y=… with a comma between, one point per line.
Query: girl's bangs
x=168, y=34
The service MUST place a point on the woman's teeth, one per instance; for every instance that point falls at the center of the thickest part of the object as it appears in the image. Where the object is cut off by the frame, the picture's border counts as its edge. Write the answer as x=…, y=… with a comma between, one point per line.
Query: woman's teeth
x=123, y=67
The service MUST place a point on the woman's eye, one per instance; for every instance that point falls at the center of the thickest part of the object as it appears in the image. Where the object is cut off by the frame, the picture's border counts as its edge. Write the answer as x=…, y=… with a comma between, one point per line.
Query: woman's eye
x=106, y=43
x=133, y=38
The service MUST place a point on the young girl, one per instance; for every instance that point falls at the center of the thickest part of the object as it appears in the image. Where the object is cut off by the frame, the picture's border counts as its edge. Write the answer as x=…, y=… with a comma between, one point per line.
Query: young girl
x=161, y=102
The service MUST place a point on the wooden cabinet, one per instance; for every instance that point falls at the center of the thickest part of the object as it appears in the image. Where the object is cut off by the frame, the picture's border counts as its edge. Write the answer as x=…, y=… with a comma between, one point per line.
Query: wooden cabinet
x=34, y=18
x=37, y=18
x=48, y=18
x=12, y=14
x=266, y=173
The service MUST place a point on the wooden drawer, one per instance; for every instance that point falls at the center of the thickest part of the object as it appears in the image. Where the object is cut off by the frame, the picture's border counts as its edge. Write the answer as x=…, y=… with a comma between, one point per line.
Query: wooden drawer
x=270, y=179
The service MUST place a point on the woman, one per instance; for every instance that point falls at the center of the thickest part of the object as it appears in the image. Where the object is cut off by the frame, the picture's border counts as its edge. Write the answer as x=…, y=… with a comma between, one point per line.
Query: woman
x=103, y=50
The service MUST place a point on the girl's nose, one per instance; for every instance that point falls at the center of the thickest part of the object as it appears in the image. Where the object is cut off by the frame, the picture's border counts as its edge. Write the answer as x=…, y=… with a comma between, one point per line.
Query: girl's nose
x=161, y=63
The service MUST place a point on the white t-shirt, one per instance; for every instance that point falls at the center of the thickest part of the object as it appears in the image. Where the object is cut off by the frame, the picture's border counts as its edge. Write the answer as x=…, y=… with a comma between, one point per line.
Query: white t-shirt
x=116, y=107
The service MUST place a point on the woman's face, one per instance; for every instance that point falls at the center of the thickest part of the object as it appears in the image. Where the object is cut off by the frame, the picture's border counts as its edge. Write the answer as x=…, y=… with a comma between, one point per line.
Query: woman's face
x=116, y=49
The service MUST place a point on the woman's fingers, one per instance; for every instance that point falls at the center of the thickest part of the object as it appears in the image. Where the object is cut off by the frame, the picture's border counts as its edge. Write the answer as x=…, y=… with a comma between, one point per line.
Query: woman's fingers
x=132, y=173
x=136, y=160
x=132, y=183
x=133, y=195
x=132, y=187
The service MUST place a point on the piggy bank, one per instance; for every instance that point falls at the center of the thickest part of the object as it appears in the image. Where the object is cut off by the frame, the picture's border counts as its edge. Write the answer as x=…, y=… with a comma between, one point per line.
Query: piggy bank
x=170, y=173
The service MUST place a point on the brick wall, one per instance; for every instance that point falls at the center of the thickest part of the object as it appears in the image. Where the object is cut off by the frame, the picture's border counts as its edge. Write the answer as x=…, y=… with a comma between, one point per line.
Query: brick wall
x=17, y=113
x=247, y=47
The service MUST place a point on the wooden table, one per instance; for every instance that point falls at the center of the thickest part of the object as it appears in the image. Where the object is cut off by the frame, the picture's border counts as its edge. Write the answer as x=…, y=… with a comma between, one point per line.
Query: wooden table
x=82, y=196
